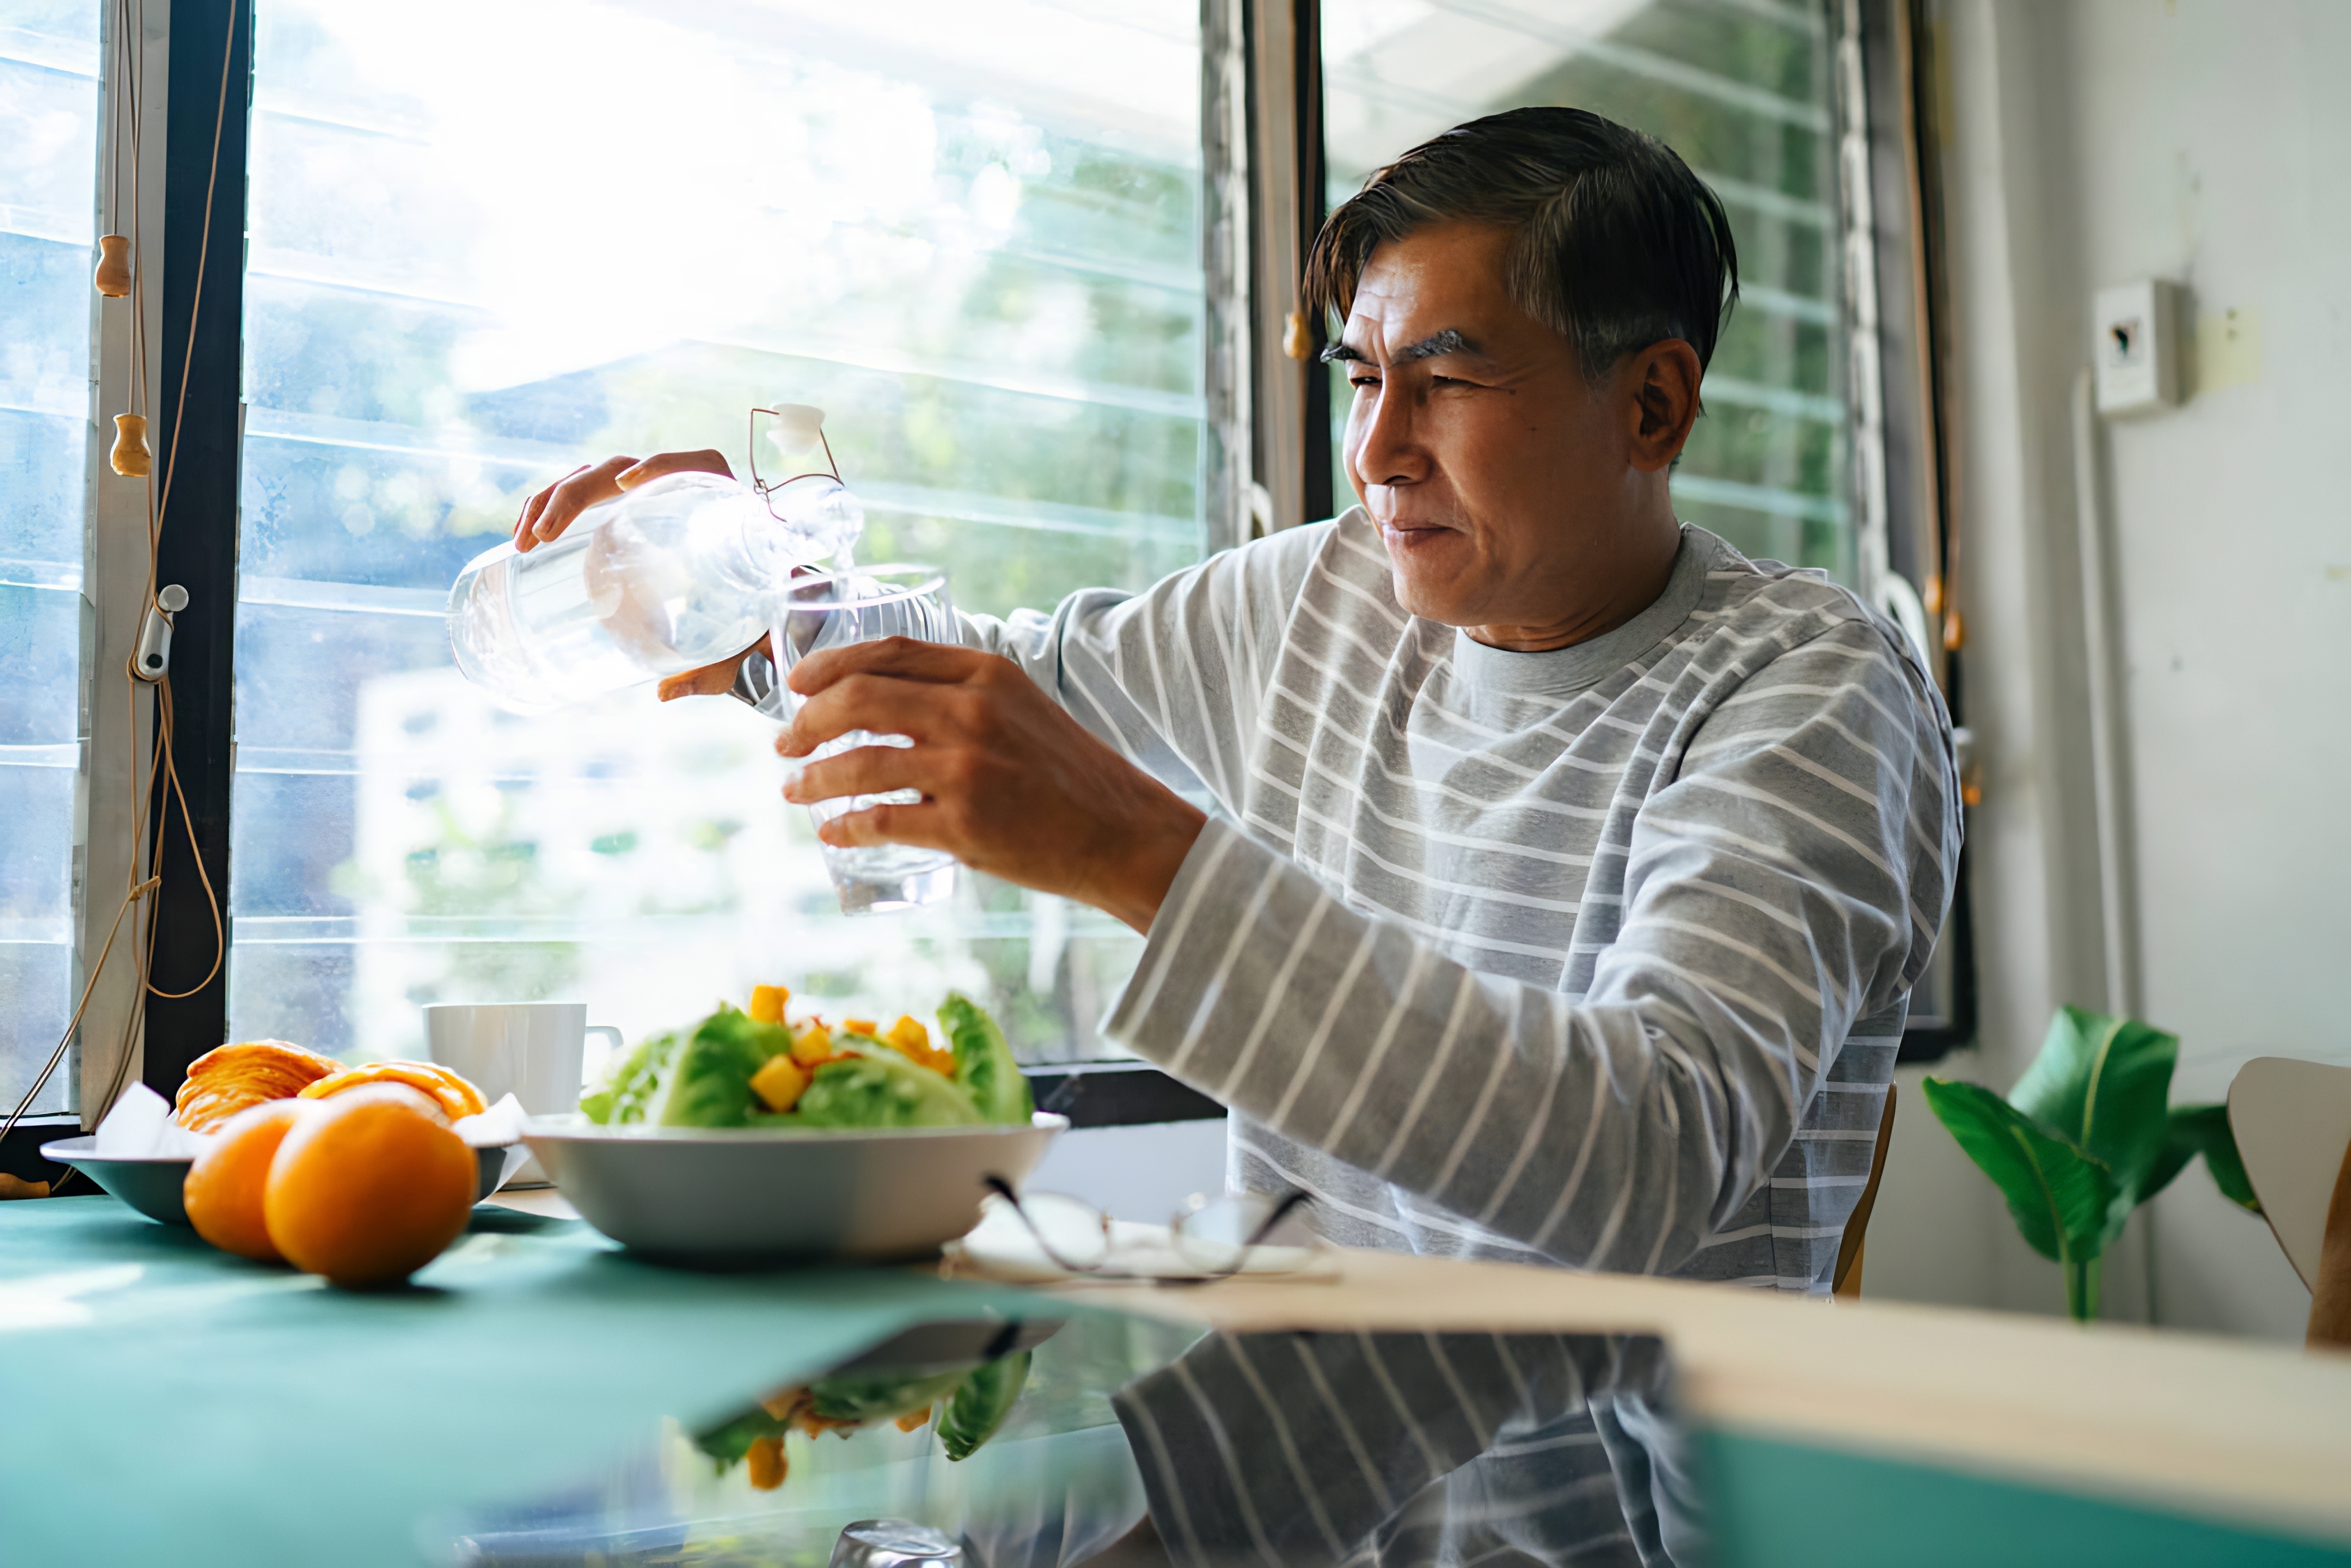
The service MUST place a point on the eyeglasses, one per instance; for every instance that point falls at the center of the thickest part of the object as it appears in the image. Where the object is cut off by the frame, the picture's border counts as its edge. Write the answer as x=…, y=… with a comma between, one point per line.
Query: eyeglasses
x=1210, y=1239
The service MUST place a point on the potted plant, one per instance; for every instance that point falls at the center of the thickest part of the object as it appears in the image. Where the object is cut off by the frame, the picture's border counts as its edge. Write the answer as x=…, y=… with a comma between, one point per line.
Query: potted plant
x=2088, y=1134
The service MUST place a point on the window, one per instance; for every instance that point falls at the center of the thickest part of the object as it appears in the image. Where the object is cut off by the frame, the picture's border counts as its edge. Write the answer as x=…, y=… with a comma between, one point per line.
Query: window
x=1743, y=90
x=487, y=245
x=49, y=52
x=484, y=244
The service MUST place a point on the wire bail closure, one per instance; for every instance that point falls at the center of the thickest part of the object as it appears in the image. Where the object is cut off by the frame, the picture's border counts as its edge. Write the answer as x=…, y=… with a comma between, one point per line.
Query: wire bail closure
x=790, y=415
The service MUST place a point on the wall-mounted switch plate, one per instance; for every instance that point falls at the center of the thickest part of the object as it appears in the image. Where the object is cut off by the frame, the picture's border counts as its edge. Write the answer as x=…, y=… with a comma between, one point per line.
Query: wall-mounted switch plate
x=2138, y=347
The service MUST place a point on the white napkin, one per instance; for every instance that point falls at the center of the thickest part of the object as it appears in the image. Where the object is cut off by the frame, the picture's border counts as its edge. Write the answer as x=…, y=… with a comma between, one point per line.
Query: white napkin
x=1002, y=1248
x=499, y=1126
x=139, y=1127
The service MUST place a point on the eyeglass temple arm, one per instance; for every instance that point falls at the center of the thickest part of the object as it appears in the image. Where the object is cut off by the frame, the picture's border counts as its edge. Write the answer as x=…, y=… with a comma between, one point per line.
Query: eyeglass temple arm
x=1003, y=1189
x=1291, y=1201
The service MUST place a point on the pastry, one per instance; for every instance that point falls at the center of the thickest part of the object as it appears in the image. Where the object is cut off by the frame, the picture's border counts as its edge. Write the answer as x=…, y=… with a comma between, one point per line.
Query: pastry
x=228, y=1078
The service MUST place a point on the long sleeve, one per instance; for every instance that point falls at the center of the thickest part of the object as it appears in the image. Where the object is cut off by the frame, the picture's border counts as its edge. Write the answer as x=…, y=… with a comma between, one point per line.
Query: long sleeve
x=1783, y=878
x=1172, y=676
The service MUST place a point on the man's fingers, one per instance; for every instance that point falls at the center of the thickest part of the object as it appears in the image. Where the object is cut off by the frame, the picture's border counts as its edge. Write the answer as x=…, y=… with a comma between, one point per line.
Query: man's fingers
x=551, y=510
x=863, y=770
x=568, y=498
x=880, y=704
x=711, y=680
x=533, y=508
x=906, y=658
x=706, y=461
x=924, y=826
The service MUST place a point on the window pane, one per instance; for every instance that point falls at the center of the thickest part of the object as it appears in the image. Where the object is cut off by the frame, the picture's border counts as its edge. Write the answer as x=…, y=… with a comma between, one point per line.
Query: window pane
x=1741, y=90
x=48, y=160
x=969, y=231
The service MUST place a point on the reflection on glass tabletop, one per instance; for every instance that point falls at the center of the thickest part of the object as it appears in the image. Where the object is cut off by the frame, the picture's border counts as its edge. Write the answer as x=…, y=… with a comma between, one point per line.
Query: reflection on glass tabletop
x=1096, y=1438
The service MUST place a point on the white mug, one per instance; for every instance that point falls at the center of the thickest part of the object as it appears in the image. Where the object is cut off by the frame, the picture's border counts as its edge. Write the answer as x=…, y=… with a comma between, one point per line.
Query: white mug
x=532, y=1051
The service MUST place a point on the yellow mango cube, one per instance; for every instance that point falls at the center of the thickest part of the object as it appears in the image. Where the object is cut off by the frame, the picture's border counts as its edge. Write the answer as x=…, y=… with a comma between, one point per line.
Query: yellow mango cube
x=812, y=1045
x=767, y=1466
x=767, y=1003
x=860, y=1025
x=781, y=1082
x=910, y=1040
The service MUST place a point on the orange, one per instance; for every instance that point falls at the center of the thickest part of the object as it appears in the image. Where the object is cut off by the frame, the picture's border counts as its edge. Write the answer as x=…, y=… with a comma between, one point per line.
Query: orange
x=368, y=1188
x=223, y=1189
x=456, y=1092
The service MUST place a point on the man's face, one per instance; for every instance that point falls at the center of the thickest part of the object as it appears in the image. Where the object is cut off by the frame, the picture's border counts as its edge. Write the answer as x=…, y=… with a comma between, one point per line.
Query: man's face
x=1498, y=474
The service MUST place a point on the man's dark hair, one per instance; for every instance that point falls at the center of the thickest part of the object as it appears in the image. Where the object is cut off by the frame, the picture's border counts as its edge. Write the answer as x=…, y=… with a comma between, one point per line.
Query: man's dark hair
x=1616, y=244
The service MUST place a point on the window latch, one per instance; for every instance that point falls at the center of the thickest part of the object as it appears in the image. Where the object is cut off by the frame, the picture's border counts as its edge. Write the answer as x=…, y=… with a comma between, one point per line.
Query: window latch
x=153, y=659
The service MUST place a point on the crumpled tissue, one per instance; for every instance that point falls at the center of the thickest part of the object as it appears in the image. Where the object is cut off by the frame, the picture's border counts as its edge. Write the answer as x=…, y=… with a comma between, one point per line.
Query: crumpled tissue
x=139, y=1127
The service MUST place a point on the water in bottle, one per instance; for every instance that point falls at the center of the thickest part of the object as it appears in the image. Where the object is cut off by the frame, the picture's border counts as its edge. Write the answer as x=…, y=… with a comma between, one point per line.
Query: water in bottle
x=677, y=573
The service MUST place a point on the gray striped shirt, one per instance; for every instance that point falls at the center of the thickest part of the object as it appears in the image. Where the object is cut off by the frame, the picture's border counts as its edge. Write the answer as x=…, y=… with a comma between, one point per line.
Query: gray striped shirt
x=1377, y=1449
x=1597, y=956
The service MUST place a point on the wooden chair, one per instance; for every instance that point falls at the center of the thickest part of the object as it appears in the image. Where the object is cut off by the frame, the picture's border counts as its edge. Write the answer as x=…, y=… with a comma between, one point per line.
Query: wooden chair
x=1847, y=1281
x=2293, y=1124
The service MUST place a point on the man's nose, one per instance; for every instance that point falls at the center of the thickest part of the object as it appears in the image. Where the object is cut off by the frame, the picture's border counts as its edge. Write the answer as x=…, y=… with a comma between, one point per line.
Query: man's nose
x=1391, y=451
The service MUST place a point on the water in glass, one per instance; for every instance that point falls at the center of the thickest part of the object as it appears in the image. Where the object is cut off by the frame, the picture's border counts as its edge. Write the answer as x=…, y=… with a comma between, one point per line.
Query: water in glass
x=866, y=604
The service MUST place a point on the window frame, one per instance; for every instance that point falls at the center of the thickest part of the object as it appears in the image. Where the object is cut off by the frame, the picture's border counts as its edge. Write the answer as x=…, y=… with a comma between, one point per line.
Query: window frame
x=201, y=448
x=1890, y=45
x=167, y=171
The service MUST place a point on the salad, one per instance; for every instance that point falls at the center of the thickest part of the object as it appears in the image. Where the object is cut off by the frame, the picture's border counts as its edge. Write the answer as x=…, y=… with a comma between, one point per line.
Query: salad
x=760, y=1069
x=966, y=1404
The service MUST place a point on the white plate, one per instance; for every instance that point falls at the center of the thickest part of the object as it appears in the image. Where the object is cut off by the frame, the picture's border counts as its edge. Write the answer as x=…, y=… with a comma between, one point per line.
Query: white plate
x=740, y=1195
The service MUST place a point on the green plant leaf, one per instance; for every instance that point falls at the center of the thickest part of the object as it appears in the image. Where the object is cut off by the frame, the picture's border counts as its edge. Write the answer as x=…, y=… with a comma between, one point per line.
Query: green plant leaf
x=2104, y=1084
x=2059, y=1195
x=2204, y=1130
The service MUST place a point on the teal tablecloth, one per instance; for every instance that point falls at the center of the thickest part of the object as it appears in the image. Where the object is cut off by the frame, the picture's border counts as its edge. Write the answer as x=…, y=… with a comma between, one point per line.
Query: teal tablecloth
x=167, y=1403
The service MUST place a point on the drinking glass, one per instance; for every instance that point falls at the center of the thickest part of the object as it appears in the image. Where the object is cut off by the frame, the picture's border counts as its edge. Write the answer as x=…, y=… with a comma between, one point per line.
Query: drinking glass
x=864, y=605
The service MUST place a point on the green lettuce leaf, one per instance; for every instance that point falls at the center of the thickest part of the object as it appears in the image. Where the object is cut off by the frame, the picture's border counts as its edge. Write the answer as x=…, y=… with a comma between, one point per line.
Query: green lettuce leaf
x=879, y=1397
x=726, y=1443
x=628, y=1080
x=981, y=1406
x=707, y=1080
x=984, y=1064
x=882, y=1090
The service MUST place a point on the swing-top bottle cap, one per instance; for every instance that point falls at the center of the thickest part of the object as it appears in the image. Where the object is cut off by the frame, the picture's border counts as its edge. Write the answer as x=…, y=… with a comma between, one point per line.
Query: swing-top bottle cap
x=799, y=428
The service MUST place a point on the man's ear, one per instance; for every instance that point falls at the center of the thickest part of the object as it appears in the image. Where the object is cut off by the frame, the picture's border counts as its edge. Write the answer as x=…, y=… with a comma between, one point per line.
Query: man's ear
x=1662, y=381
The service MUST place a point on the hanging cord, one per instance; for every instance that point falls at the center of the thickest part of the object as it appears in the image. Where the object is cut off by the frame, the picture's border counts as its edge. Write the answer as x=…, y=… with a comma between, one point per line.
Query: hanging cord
x=162, y=768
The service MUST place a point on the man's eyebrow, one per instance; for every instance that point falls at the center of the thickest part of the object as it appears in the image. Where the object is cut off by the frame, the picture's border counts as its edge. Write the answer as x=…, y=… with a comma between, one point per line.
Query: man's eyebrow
x=1452, y=340
x=1449, y=341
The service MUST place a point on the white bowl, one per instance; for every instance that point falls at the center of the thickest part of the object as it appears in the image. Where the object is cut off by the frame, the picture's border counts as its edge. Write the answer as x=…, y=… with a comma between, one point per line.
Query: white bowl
x=744, y=1195
x=152, y=1183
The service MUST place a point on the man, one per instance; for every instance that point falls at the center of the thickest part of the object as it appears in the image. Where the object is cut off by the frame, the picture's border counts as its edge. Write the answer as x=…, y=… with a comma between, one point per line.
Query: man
x=1572, y=873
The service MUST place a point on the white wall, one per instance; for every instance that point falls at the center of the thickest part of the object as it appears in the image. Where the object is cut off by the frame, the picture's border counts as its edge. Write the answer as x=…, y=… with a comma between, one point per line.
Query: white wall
x=1142, y=1172
x=2094, y=142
